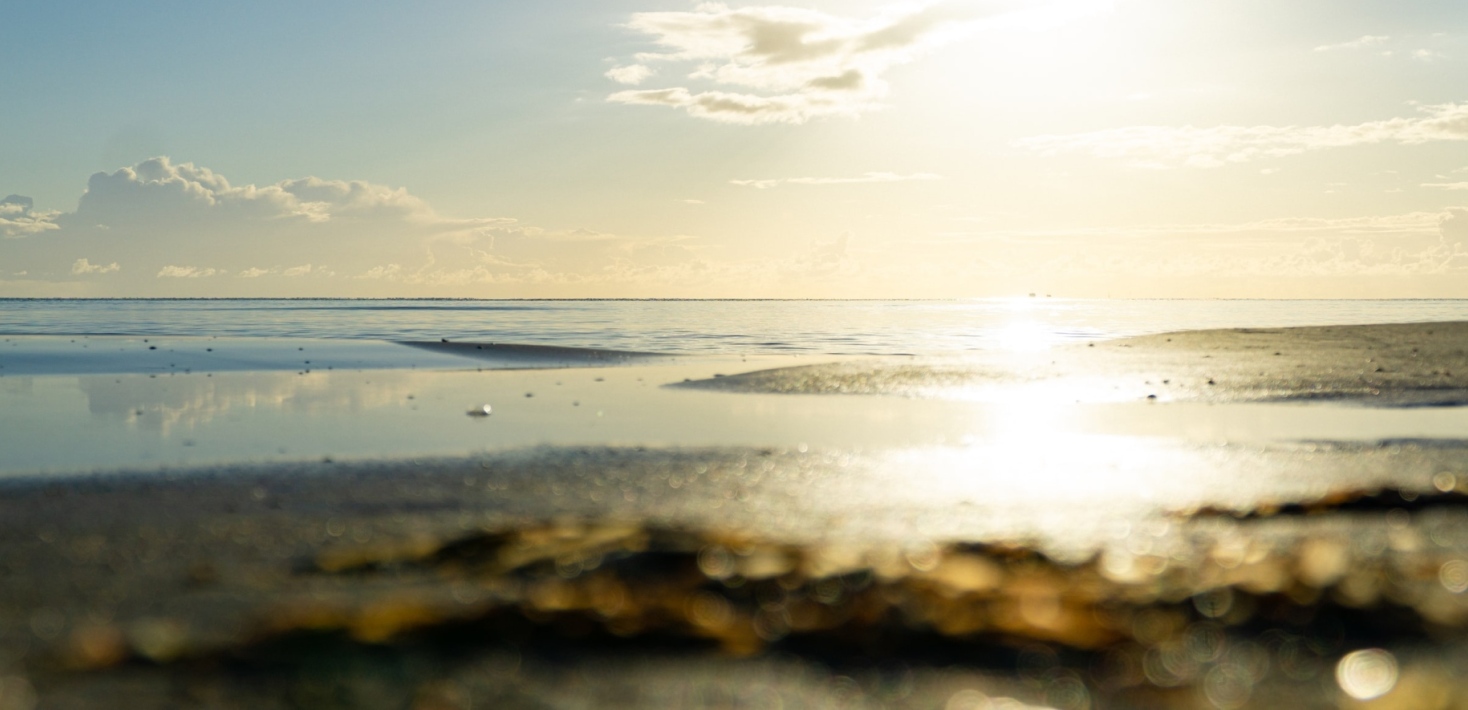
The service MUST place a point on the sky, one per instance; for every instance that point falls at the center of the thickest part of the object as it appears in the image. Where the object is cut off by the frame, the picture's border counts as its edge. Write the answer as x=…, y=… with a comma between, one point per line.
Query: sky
x=671, y=149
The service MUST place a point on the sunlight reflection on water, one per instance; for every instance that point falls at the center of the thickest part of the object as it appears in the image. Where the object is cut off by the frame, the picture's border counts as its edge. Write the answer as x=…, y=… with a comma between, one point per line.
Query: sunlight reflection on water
x=746, y=327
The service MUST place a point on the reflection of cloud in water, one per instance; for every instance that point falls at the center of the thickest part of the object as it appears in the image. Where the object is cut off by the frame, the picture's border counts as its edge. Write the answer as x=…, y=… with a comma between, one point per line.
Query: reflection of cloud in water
x=185, y=402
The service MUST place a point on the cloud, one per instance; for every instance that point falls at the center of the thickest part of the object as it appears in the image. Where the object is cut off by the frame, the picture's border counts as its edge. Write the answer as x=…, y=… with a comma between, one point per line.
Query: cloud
x=387, y=271
x=1264, y=230
x=1447, y=185
x=824, y=260
x=1163, y=146
x=864, y=178
x=804, y=63
x=187, y=272
x=167, y=217
x=139, y=192
x=82, y=266
x=1415, y=244
x=1362, y=42
x=177, y=225
x=633, y=74
x=751, y=109
x=17, y=218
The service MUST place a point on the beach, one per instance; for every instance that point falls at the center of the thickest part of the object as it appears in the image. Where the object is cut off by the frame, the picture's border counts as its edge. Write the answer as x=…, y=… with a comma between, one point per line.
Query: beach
x=1193, y=519
x=932, y=354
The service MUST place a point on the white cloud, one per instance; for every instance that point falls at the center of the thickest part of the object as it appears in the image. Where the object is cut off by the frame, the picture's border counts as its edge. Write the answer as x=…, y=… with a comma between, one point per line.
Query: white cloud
x=177, y=224
x=1362, y=42
x=1447, y=185
x=18, y=219
x=141, y=191
x=164, y=216
x=15, y=205
x=633, y=74
x=750, y=109
x=187, y=272
x=1165, y=146
x=1427, y=55
x=805, y=63
x=83, y=266
x=864, y=178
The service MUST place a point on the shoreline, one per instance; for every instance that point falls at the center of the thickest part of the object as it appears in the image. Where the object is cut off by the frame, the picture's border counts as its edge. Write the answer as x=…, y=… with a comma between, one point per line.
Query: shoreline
x=1096, y=548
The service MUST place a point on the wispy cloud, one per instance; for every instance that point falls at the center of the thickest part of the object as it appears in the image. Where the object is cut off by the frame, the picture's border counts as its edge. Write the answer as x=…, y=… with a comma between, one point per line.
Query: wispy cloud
x=1166, y=146
x=1415, y=244
x=633, y=74
x=83, y=266
x=805, y=64
x=187, y=272
x=1363, y=42
x=863, y=178
x=1264, y=230
x=1447, y=185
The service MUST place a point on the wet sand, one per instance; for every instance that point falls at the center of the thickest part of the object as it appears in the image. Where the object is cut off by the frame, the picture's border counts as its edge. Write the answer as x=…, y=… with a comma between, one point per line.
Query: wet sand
x=1099, y=571
x=1422, y=364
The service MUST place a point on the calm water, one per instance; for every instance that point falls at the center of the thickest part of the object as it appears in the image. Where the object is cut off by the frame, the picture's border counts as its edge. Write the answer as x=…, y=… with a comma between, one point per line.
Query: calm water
x=831, y=327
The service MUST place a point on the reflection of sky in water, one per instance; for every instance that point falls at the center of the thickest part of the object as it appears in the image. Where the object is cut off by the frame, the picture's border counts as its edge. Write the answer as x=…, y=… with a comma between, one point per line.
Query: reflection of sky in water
x=110, y=421
x=1025, y=451
x=182, y=404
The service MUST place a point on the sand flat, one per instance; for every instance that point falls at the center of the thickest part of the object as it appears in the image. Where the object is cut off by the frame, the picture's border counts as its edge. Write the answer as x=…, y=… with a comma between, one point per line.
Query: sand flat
x=1423, y=364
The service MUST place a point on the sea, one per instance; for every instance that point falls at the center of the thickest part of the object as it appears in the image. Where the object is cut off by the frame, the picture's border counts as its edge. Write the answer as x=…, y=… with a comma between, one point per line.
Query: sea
x=755, y=327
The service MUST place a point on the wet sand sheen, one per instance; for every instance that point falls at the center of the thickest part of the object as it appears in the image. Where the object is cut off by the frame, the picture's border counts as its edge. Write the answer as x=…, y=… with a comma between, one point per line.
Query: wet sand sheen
x=1133, y=573
x=1414, y=364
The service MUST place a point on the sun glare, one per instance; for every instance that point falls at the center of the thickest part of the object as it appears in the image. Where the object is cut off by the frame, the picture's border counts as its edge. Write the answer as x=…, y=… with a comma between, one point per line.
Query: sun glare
x=1025, y=337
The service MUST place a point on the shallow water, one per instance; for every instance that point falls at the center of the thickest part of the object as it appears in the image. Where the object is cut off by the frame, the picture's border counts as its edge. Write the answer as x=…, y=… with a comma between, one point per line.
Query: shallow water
x=90, y=422
x=299, y=472
x=730, y=327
